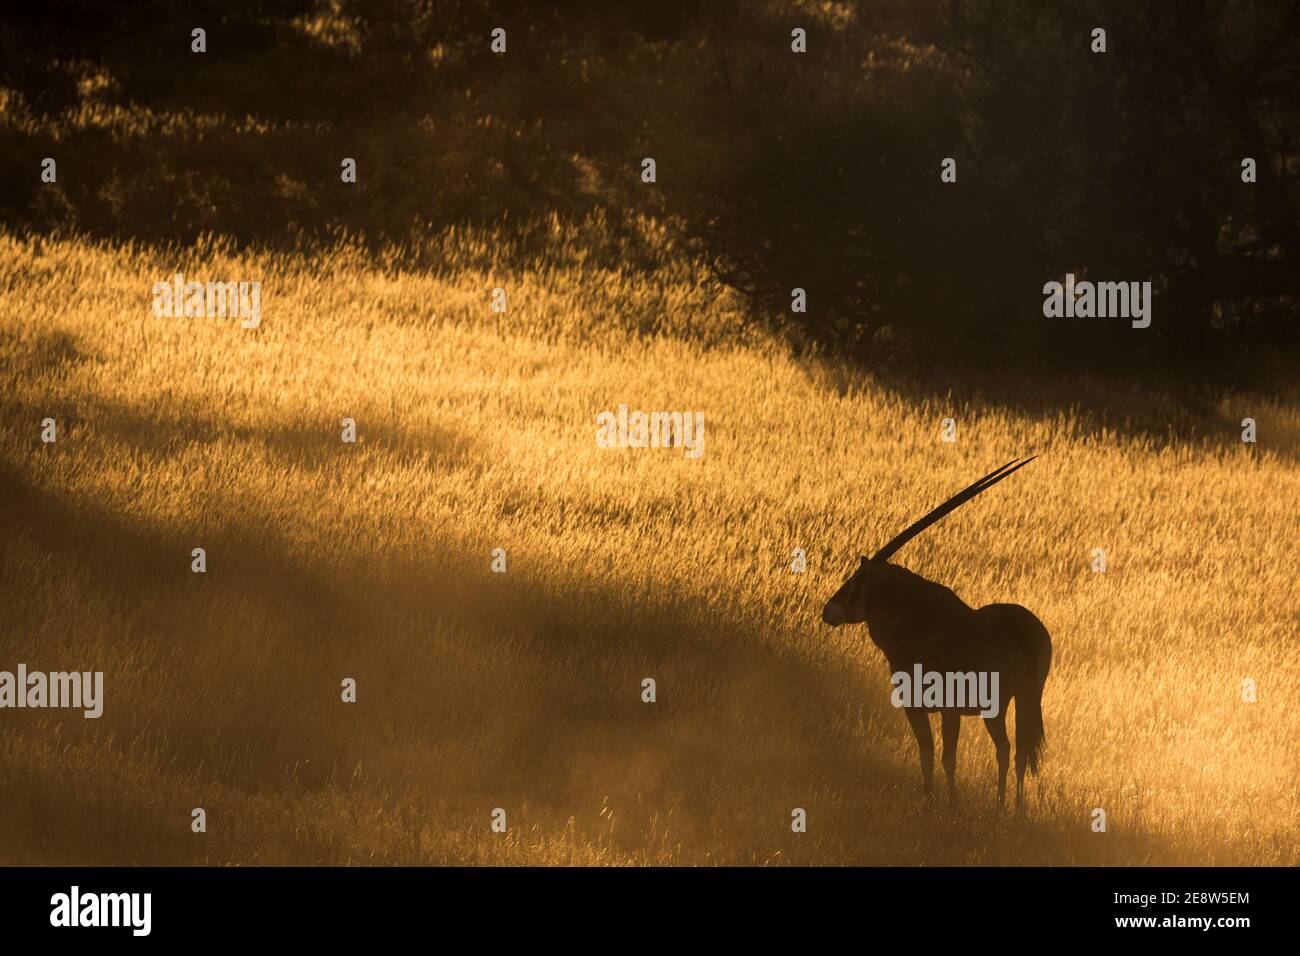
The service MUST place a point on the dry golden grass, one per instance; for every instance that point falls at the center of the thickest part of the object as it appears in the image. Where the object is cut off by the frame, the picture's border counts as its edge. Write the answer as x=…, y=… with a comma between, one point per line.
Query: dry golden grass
x=521, y=690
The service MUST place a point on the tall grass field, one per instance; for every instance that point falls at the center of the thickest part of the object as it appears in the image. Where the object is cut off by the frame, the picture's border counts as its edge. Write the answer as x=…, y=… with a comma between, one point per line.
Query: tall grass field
x=522, y=689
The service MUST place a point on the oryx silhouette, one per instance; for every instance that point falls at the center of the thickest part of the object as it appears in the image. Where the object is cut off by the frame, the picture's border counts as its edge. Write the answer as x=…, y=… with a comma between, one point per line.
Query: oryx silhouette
x=918, y=622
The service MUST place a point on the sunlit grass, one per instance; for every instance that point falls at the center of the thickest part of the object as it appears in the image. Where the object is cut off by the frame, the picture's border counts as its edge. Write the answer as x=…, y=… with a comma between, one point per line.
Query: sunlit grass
x=522, y=690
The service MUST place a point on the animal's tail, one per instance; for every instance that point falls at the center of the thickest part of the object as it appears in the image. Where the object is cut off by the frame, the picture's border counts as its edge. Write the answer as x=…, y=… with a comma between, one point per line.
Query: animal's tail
x=1037, y=646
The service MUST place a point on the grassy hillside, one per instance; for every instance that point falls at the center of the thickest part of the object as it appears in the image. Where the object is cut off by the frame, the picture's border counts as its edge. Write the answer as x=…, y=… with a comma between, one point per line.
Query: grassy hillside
x=522, y=690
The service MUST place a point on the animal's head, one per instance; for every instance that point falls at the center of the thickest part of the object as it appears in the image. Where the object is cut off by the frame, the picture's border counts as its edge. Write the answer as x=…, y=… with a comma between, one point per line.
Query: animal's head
x=861, y=592
x=872, y=579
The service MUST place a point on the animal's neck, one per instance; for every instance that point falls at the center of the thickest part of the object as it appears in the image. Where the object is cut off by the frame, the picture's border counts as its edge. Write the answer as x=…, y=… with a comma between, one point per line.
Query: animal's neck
x=915, y=612
x=891, y=633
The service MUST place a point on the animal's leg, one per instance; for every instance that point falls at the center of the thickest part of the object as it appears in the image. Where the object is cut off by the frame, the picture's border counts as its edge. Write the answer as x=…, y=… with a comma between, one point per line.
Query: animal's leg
x=951, y=724
x=920, y=722
x=1022, y=759
x=997, y=728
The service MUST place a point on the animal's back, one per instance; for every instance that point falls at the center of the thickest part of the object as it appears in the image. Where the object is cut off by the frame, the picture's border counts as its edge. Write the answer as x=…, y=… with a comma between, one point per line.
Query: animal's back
x=1026, y=631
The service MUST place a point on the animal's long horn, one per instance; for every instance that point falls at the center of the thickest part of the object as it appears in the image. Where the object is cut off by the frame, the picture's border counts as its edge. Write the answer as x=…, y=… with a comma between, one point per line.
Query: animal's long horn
x=953, y=503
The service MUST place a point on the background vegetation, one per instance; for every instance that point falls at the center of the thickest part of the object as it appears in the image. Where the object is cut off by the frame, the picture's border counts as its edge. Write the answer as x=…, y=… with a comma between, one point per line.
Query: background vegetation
x=779, y=170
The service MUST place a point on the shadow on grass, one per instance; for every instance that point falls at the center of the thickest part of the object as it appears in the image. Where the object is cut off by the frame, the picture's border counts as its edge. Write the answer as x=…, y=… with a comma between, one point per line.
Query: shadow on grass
x=477, y=690
x=1159, y=413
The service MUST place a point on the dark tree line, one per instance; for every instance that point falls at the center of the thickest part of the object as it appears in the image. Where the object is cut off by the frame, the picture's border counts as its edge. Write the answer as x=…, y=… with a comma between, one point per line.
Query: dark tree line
x=817, y=170
x=823, y=171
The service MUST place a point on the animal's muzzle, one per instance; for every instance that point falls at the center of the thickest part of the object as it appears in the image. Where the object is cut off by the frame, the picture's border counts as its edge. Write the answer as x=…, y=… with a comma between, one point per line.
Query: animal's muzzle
x=833, y=615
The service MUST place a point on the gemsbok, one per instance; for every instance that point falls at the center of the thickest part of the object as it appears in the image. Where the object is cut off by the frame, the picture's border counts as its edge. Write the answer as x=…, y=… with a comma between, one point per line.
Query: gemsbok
x=918, y=622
